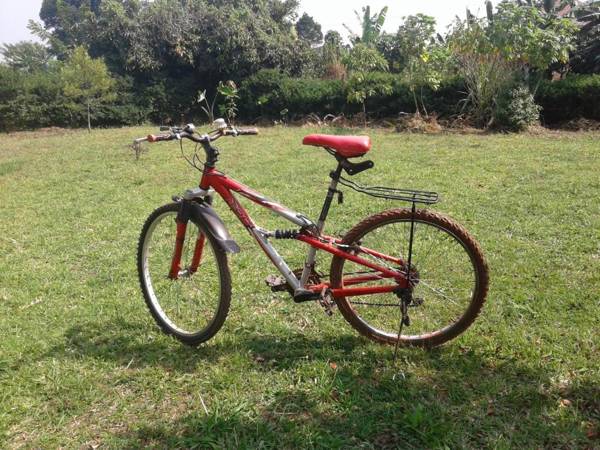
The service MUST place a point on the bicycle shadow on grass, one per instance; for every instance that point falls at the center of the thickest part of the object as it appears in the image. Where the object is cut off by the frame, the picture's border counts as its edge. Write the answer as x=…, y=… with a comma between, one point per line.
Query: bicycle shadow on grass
x=452, y=396
x=450, y=400
x=135, y=345
x=130, y=344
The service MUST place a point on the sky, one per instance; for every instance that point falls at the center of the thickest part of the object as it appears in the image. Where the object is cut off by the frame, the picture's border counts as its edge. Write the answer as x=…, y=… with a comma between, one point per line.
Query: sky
x=14, y=14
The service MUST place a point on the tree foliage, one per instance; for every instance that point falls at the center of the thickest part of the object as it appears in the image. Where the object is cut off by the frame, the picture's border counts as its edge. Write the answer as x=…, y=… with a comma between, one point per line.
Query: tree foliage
x=86, y=80
x=361, y=61
x=586, y=57
x=27, y=56
x=370, y=26
x=422, y=59
x=491, y=55
x=308, y=30
x=159, y=53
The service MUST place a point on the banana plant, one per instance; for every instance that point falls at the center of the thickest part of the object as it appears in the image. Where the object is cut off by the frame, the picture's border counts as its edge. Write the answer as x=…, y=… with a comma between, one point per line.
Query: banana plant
x=371, y=26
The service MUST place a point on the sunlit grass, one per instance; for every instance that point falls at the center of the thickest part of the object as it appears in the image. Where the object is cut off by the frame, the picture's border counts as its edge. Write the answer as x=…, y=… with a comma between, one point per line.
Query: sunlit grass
x=82, y=363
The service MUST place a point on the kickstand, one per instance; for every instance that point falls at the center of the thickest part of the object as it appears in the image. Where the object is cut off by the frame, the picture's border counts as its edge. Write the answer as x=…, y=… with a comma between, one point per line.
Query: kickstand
x=406, y=294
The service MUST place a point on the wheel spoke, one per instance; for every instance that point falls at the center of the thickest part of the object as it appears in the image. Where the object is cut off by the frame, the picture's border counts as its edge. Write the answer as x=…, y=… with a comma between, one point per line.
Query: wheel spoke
x=437, y=291
x=443, y=267
x=193, y=306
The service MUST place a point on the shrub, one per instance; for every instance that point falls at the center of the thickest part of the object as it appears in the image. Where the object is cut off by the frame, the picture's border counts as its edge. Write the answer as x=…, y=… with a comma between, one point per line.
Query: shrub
x=575, y=97
x=35, y=100
x=516, y=109
x=269, y=92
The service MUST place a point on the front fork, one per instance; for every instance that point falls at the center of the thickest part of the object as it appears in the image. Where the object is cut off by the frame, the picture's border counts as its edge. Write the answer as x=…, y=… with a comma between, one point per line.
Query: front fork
x=182, y=220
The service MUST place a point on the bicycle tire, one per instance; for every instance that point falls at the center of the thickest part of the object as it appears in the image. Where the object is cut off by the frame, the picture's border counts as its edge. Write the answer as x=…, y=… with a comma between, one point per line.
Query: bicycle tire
x=166, y=324
x=441, y=223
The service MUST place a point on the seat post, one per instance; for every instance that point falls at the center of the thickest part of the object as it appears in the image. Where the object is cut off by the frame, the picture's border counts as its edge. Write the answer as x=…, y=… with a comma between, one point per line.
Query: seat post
x=312, y=252
x=335, y=177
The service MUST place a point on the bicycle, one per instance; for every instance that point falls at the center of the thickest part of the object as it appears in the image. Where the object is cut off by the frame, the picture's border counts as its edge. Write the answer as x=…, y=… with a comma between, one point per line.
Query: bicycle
x=406, y=276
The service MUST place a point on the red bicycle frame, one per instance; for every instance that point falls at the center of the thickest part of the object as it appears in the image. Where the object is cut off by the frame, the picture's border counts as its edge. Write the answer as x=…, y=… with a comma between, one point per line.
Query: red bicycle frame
x=309, y=233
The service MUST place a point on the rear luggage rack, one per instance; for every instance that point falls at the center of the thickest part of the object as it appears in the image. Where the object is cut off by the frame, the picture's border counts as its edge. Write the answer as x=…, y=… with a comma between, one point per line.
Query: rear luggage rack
x=407, y=195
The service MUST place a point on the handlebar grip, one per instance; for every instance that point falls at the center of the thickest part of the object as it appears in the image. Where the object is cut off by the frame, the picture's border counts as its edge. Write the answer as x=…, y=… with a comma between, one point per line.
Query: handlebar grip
x=248, y=131
x=158, y=138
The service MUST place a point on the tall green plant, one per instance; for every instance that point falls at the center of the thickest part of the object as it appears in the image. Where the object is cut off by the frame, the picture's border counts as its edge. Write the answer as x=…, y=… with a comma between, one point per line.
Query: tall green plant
x=370, y=25
x=360, y=62
x=87, y=81
x=26, y=56
x=491, y=55
x=333, y=52
x=229, y=91
x=423, y=58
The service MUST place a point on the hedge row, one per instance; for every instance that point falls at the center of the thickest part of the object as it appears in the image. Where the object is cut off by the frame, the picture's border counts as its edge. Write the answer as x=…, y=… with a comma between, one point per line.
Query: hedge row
x=36, y=100
x=575, y=97
x=29, y=101
x=271, y=94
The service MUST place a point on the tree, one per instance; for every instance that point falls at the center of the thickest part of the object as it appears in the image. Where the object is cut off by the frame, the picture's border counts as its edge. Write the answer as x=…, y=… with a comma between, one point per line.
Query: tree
x=333, y=53
x=361, y=61
x=334, y=40
x=371, y=26
x=586, y=56
x=308, y=30
x=72, y=23
x=365, y=59
x=26, y=56
x=283, y=12
x=492, y=55
x=421, y=59
x=87, y=80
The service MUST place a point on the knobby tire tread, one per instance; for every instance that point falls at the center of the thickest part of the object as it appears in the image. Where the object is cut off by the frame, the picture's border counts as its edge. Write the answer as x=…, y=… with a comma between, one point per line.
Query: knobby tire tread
x=225, y=280
x=440, y=220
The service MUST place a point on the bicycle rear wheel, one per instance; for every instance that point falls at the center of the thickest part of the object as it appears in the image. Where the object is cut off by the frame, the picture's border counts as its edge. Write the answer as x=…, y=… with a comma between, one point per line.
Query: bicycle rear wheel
x=194, y=306
x=449, y=273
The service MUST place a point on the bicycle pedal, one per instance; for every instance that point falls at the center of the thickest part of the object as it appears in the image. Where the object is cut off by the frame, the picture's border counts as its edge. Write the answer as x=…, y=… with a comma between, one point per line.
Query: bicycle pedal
x=304, y=295
x=276, y=283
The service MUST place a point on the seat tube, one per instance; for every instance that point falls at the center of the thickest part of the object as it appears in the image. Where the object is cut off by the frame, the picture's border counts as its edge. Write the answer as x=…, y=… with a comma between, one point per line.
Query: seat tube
x=312, y=252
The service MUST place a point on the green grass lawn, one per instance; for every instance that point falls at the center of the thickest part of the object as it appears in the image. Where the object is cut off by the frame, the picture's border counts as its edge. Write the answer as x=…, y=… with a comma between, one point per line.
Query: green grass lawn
x=82, y=363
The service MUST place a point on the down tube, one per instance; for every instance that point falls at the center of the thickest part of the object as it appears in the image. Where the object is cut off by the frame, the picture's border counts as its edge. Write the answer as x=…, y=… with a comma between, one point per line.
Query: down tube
x=223, y=186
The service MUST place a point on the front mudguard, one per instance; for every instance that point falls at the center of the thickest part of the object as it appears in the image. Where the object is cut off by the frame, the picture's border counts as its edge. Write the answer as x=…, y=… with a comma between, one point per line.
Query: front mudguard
x=208, y=220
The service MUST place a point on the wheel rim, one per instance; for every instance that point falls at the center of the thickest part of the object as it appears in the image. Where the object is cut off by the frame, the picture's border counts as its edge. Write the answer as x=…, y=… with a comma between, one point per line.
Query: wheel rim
x=446, y=280
x=189, y=304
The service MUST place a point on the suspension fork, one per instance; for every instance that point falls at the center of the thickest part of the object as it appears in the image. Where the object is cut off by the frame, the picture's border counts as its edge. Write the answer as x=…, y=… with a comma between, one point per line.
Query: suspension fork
x=177, y=252
x=198, y=249
x=182, y=220
x=201, y=239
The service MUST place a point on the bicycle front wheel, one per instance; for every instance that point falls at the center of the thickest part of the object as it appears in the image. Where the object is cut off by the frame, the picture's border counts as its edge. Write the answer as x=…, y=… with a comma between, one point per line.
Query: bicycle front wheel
x=449, y=276
x=192, y=307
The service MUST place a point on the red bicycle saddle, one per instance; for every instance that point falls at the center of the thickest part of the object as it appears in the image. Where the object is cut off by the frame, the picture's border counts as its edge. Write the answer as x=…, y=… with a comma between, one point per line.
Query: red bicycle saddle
x=346, y=146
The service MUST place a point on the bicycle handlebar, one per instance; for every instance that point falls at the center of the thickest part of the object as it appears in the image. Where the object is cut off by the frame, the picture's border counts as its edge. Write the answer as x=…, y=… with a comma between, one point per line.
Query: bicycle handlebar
x=176, y=133
x=247, y=131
